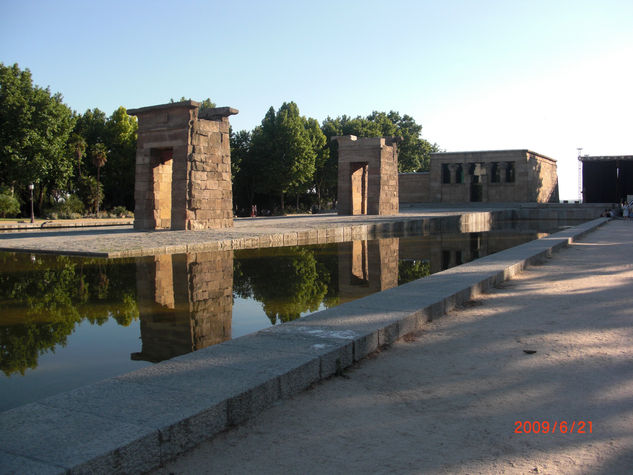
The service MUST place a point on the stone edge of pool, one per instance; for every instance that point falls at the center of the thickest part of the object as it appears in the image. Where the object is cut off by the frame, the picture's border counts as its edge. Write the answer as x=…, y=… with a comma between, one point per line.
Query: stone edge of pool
x=135, y=422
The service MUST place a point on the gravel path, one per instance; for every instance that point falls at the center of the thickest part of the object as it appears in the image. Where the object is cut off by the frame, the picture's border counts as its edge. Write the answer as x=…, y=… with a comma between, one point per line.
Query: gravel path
x=554, y=344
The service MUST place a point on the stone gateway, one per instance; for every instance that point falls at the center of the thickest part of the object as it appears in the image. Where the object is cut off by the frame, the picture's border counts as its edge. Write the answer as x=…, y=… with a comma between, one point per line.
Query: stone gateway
x=183, y=167
x=367, y=175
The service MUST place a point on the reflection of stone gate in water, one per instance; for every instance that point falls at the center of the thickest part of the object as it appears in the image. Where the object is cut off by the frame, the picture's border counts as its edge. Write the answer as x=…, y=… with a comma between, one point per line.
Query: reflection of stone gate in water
x=185, y=303
x=366, y=267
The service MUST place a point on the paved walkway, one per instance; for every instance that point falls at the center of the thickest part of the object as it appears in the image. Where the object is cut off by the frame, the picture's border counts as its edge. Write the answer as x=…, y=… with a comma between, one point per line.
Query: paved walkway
x=554, y=344
x=124, y=241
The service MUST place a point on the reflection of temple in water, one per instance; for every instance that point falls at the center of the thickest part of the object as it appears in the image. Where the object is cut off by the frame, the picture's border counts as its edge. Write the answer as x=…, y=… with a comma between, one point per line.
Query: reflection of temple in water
x=366, y=267
x=444, y=251
x=185, y=303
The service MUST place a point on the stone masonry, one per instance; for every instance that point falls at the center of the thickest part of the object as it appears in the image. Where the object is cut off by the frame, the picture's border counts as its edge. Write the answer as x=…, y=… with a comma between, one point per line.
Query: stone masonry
x=483, y=176
x=366, y=267
x=367, y=175
x=185, y=302
x=183, y=167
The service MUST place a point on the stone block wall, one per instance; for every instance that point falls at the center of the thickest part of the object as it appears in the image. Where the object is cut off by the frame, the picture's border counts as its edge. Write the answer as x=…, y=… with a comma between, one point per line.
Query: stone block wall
x=542, y=179
x=367, y=175
x=414, y=187
x=366, y=267
x=486, y=176
x=183, y=167
x=210, y=296
x=185, y=303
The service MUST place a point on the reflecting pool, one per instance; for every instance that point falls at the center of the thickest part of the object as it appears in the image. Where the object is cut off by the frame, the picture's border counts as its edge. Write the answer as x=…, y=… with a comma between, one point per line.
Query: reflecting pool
x=67, y=321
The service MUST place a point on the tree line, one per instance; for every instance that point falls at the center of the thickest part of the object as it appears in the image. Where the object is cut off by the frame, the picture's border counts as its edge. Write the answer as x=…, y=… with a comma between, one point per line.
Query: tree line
x=85, y=163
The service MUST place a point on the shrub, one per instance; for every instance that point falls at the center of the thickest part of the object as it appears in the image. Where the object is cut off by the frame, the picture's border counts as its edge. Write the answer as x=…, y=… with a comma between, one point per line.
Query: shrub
x=70, y=208
x=120, y=212
x=91, y=192
x=9, y=206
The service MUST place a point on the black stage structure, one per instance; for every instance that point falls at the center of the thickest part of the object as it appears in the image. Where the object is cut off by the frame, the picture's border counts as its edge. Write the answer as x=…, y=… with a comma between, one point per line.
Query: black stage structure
x=606, y=179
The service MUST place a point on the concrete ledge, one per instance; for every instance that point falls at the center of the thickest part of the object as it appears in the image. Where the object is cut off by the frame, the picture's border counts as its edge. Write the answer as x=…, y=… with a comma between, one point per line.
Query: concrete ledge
x=137, y=421
x=62, y=224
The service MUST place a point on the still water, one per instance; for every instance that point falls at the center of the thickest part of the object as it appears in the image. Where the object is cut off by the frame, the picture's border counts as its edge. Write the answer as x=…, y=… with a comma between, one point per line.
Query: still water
x=67, y=321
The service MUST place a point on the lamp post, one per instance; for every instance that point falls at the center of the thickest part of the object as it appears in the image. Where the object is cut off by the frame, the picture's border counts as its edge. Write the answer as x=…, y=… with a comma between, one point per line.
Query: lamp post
x=31, y=186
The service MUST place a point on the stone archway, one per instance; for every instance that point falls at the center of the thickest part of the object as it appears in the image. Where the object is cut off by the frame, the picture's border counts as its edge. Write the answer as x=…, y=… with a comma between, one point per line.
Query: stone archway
x=367, y=175
x=183, y=167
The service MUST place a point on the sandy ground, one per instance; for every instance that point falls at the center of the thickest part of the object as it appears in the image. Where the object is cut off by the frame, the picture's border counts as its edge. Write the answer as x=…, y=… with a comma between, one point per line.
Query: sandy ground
x=447, y=399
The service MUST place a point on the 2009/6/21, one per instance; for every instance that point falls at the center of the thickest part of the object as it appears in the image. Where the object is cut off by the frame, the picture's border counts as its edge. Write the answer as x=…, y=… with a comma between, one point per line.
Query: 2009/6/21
x=545, y=427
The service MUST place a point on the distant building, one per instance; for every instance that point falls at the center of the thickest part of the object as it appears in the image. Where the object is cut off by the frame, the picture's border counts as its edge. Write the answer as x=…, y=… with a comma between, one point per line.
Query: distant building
x=607, y=179
x=486, y=176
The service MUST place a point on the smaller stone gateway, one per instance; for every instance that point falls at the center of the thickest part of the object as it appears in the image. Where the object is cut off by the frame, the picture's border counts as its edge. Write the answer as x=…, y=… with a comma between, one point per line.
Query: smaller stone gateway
x=367, y=175
x=183, y=167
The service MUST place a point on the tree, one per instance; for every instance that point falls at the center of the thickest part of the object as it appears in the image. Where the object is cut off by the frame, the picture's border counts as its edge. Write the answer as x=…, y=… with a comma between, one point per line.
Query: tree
x=99, y=159
x=240, y=148
x=78, y=146
x=118, y=133
x=243, y=170
x=413, y=152
x=120, y=137
x=34, y=130
x=91, y=192
x=282, y=149
x=318, y=141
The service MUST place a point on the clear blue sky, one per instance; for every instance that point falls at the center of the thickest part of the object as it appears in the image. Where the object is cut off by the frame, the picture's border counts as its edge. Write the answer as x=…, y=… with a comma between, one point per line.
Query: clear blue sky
x=549, y=76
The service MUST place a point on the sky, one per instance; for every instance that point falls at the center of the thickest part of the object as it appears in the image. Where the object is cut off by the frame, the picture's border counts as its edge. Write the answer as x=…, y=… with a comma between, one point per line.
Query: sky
x=550, y=76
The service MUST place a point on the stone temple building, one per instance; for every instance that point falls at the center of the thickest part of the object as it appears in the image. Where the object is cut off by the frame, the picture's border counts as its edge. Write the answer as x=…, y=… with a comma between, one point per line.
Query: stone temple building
x=607, y=179
x=484, y=176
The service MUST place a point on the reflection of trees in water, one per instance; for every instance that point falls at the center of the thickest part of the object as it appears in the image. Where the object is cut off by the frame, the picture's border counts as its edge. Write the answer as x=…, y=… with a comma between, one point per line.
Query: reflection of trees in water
x=413, y=269
x=45, y=297
x=286, y=280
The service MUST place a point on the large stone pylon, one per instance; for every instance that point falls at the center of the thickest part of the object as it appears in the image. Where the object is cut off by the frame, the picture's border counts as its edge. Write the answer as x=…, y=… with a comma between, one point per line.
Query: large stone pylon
x=183, y=167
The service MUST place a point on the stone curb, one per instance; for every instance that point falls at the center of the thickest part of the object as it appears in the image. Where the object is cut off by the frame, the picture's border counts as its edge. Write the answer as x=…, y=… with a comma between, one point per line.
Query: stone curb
x=137, y=421
x=62, y=225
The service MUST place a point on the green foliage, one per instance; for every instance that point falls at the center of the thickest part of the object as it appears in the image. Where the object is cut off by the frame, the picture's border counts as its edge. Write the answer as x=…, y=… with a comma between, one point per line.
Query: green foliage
x=282, y=151
x=288, y=282
x=240, y=148
x=413, y=152
x=34, y=130
x=120, y=139
x=70, y=207
x=117, y=135
x=411, y=270
x=120, y=211
x=77, y=145
x=9, y=206
x=205, y=104
x=99, y=155
x=45, y=298
x=91, y=192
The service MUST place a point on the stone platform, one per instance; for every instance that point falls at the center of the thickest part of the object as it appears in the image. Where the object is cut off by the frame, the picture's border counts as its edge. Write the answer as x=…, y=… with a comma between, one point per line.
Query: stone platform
x=249, y=233
x=137, y=421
